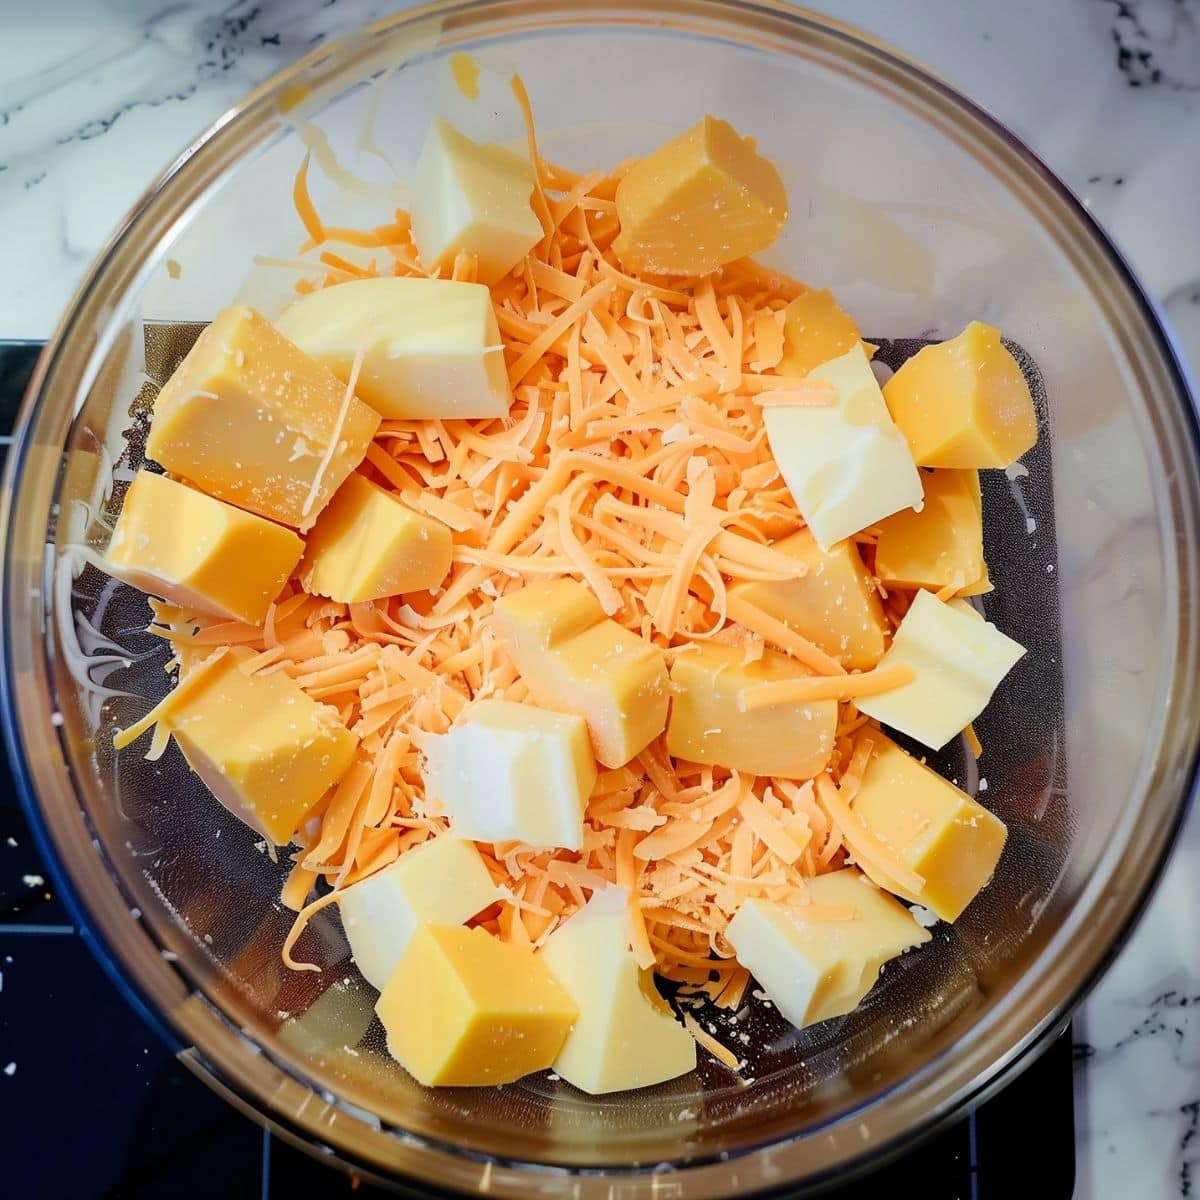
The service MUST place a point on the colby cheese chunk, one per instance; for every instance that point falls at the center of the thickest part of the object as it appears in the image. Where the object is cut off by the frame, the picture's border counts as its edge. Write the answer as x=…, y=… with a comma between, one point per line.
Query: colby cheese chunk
x=846, y=464
x=443, y=881
x=958, y=659
x=463, y=1009
x=513, y=773
x=815, y=969
x=251, y=419
x=625, y=1035
x=431, y=347
x=200, y=553
x=815, y=330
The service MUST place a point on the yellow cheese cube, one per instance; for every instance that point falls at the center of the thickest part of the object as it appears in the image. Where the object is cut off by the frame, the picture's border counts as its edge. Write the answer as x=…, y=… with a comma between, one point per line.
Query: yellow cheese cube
x=625, y=1035
x=431, y=347
x=443, y=881
x=473, y=198
x=250, y=419
x=957, y=659
x=816, y=969
x=832, y=601
x=463, y=1009
x=964, y=402
x=200, y=553
x=574, y=659
x=513, y=773
x=368, y=544
x=934, y=827
x=815, y=329
x=940, y=546
x=791, y=740
x=700, y=201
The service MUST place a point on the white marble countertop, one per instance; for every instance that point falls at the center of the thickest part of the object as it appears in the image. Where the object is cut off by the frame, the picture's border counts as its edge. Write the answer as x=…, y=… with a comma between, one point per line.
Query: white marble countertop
x=95, y=98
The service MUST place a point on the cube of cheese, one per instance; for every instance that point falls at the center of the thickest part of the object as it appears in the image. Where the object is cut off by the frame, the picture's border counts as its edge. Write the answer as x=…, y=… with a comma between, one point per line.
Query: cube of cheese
x=958, y=660
x=625, y=1035
x=815, y=330
x=816, y=969
x=574, y=659
x=431, y=347
x=472, y=198
x=264, y=749
x=952, y=842
x=251, y=419
x=368, y=544
x=794, y=741
x=463, y=1009
x=442, y=881
x=832, y=600
x=200, y=553
x=940, y=546
x=846, y=464
x=702, y=200
x=964, y=403
x=513, y=773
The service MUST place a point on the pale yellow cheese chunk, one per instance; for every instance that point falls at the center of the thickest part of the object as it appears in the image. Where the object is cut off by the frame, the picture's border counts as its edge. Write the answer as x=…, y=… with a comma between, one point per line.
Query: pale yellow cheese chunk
x=947, y=838
x=463, y=1009
x=200, y=553
x=574, y=659
x=512, y=773
x=703, y=199
x=431, y=347
x=368, y=544
x=251, y=419
x=816, y=969
x=957, y=660
x=832, y=601
x=472, y=198
x=625, y=1035
x=846, y=464
x=443, y=881
x=791, y=740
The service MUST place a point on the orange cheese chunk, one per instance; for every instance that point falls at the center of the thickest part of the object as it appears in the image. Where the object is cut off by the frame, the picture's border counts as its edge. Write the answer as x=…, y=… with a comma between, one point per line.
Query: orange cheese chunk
x=463, y=1009
x=964, y=402
x=815, y=329
x=200, y=553
x=791, y=740
x=831, y=601
x=367, y=544
x=702, y=200
x=250, y=418
x=948, y=839
x=574, y=659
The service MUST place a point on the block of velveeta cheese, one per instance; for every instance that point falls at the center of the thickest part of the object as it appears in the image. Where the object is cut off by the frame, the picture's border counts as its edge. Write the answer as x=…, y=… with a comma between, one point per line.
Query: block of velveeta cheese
x=430, y=347
x=705, y=198
x=251, y=419
x=940, y=546
x=792, y=740
x=464, y=1009
x=472, y=198
x=815, y=330
x=575, y=659
x=198, y=552
x=964, y=402
x=819, y=967
x=832, y=600
x=947, y=838
x=369, y=544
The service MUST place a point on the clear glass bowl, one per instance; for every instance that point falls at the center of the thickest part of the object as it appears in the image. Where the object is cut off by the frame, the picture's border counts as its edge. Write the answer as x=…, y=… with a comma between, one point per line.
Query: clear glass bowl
x=920, y=213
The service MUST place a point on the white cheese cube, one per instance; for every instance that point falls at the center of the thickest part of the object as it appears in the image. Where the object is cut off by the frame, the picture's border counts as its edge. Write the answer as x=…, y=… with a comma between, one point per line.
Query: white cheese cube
x=431, y=347
x=847, y=465
x=513, y=773
x=625, y=1035
x=472, y=197
x=443, y=882
x=958, y=659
